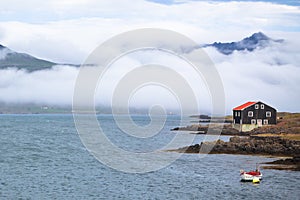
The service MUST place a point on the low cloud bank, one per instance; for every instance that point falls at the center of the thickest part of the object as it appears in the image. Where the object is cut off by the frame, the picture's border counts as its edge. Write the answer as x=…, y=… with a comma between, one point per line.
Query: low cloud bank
x=53, y=86
x=270, y=75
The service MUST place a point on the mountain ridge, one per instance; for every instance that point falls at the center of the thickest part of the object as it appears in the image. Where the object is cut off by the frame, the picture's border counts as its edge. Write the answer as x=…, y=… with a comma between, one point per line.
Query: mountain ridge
x=256, y=41
x=12, y=59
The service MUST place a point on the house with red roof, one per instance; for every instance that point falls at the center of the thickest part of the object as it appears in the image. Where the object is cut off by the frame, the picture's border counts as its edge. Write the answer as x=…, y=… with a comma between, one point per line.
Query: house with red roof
x=253, y=114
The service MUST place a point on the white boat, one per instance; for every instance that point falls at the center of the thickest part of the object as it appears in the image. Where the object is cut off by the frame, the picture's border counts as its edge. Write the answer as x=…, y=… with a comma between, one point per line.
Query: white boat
x=251, y=175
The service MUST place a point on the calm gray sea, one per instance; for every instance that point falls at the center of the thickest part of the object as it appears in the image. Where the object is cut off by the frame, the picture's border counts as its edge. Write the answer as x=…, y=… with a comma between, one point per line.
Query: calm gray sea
x=42, y=157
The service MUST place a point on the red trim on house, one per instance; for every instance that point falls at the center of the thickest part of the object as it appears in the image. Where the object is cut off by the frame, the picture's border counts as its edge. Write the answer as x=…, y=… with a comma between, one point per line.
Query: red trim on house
x=245, y=105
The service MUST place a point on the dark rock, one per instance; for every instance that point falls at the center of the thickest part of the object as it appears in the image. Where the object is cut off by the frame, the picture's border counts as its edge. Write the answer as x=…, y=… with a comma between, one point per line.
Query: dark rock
x=274, y=146
x=285, y=164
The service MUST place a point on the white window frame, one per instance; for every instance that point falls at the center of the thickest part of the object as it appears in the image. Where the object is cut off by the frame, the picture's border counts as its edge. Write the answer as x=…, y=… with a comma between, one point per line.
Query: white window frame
x=256, y=106
x=262, y=106
x=266, y=122
x=253, y=121
x=268, y=114
x=250, y=113
x=239, y=113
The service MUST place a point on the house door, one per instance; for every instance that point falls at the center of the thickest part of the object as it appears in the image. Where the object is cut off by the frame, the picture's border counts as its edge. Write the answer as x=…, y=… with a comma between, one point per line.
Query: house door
x=259, y=122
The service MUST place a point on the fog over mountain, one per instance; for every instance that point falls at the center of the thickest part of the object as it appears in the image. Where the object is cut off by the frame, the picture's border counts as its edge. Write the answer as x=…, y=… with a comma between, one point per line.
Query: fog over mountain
x=12, y=59
x=268, y=73
x=254, y=68
x=256, y=41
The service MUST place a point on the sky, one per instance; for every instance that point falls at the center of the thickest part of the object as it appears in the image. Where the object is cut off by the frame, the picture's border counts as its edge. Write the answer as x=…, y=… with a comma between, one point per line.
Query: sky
x=67, y=31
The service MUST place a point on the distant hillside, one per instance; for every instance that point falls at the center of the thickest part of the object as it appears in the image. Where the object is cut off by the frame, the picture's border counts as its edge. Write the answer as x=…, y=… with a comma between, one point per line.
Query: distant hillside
x=9, y=58
x=255, y=41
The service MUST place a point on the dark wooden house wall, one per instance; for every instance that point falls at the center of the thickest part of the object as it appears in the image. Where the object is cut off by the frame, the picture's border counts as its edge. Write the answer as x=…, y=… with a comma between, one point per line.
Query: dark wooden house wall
x=257, y=114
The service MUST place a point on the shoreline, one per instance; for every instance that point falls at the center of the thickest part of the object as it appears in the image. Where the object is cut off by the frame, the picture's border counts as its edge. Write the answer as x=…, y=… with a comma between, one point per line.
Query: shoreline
x=214, y=129
x=292, y=164
x=247, y=145
x=286, y=151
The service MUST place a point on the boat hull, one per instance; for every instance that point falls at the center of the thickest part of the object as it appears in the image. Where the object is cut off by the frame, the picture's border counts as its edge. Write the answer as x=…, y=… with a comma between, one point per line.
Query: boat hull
x=247, y=177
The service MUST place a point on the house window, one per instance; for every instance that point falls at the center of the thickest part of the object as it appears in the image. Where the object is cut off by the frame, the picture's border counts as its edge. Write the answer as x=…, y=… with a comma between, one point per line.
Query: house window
x=266, y=121
x=262, y=106
x=250, y=114
x=253, y=121
x=239, y=114
x=268, y=114
x=256, y=106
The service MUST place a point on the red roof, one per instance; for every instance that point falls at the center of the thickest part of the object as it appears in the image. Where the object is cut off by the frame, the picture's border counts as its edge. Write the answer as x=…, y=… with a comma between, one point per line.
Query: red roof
x=245, y=105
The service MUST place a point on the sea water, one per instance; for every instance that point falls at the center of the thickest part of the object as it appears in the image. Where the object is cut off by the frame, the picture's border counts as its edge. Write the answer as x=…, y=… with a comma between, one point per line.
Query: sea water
x=42, y=157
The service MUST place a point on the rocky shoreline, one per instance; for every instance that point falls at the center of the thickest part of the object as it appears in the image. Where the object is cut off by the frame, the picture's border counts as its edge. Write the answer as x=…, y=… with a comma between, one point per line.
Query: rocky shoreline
x=284, y=164
x=213, y=129
x=282, y=139
x=253, y=145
